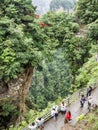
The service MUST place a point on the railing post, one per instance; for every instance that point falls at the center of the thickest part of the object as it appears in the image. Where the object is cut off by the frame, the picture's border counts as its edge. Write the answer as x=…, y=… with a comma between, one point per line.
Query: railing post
x=68, y=100
x=79, y=93
x=94, y=85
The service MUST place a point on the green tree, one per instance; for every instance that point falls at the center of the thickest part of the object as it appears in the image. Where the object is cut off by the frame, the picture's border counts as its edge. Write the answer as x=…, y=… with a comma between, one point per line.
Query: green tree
x=87, y=10
x=23, y=45
x=93, y=30
x=52, y=81
x=89, y=72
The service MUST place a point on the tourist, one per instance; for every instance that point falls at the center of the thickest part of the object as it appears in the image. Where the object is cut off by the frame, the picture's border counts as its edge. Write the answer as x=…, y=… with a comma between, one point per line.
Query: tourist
x=63, y=108
x=54, y=112
x=82, y=101
x=33, y=126
x=90, y=102
x=67, y=116
x=89, y=91
x=40, y=122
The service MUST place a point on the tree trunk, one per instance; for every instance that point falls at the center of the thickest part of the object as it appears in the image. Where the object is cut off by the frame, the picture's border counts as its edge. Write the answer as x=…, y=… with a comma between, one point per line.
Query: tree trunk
x=27, y=81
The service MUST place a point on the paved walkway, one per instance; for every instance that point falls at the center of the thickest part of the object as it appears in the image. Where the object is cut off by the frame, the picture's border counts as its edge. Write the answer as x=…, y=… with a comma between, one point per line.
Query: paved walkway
x=75, y=110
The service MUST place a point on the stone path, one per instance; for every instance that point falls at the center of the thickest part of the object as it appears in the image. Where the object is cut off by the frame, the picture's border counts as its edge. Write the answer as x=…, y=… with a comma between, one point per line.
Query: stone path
x=75, y=110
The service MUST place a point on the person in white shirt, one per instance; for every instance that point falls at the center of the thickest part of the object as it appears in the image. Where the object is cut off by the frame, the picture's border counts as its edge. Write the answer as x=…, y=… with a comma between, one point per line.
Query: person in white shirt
x=91, y=104
x=33, y=126
x=54, y=112
x=90, y=100
x=40, y=122
x=63, y=108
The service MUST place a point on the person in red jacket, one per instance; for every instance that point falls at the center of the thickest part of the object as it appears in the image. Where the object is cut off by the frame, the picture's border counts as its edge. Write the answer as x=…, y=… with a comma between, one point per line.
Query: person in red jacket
x=67, y=117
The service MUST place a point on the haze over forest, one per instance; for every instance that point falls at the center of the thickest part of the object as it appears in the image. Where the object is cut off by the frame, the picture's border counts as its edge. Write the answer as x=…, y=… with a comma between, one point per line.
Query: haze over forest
x=43, y=6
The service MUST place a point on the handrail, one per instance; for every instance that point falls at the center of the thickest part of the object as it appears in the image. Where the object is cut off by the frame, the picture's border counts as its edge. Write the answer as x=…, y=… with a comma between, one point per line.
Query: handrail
x=70, y=99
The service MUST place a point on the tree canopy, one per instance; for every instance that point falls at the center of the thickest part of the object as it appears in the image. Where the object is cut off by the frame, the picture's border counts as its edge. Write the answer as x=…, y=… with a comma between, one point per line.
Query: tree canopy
x=62, y=61
x=87, y=10
x=23, y=41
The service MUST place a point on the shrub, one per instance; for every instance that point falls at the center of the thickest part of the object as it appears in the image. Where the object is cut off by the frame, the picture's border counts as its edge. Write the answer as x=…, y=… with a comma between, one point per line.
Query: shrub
x=95, y=126
x=93, y=30
x=75, y=27
x=91, y=118
x=81, y=117
x=96, y=112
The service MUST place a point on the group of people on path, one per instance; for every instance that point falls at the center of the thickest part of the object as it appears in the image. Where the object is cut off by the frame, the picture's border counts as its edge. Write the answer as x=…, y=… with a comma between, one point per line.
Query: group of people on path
x=54, y=113
x=64, y=110
x=87, y=98
x=55, y=109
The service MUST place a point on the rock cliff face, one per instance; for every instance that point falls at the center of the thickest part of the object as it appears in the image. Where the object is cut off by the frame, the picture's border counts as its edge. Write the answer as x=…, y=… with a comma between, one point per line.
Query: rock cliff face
x=16, y=90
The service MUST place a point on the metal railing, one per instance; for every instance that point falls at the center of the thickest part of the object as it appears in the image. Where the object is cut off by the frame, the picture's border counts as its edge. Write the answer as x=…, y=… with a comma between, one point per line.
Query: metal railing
x=69, y=100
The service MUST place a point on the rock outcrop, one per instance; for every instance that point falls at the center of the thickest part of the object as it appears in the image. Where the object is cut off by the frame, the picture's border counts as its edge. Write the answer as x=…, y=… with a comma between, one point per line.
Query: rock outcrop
x=16, y=90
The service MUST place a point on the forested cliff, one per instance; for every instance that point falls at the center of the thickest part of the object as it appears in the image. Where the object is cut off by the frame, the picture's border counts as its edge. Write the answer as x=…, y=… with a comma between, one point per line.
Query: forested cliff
x=43, y=59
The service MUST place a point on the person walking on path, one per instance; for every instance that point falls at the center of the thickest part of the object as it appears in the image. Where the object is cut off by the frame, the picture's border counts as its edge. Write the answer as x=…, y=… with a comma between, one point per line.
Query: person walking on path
x=33, y=126
x=40, y=122
x=54, y=112
x=90, y=102
x=89, y=91
x=82, y=101
x=63, y=108
x=67, y=119
x=67, y=116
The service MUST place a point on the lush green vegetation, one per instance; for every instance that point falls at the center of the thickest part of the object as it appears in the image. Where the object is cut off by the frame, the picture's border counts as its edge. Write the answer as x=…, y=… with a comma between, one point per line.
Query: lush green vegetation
x=87, y=10
x=62, y=61
x=23, y=42
x=57, y=78
x=88, y=122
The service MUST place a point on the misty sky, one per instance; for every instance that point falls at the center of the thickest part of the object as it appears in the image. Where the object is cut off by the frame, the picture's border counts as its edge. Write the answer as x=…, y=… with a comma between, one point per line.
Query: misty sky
x=42, y=5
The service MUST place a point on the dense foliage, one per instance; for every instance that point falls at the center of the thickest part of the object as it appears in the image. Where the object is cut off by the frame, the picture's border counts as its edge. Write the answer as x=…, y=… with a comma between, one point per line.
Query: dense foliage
x=57, y=78
x=89, y=14
x=87, y=10
x=51, y=46
x=23, y=43
x=52, y=82
x=22, y=40
x=93, y=30
x=88, y=74
x=75, y=52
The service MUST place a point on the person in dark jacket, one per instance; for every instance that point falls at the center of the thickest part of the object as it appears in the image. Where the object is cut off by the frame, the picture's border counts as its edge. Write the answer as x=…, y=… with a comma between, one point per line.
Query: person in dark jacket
x=82, y=101
x=89, y=91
